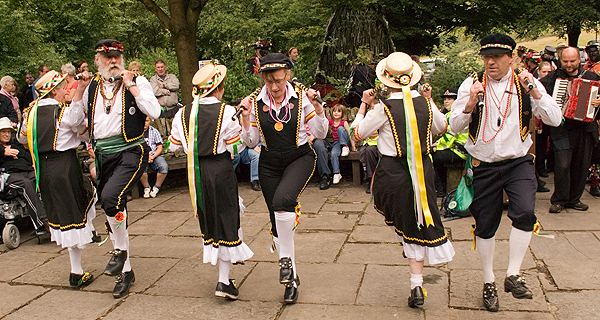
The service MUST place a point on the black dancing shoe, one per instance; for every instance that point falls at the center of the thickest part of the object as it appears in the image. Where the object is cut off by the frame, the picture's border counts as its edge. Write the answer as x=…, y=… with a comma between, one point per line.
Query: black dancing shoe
x=490, y=297
x=255, y=185
x=116, y=262
x=325, y=182
x=123, y=283
x=516, y=285
x=290, y=296
x=228, y=291
x=96, y=238
x=80, y=280
x=286, y=272
x=595, y=191
x=416, y=298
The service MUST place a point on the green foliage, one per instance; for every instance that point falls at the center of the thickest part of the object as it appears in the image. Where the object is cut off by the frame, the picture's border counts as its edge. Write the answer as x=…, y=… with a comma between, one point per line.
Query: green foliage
x=459, y=59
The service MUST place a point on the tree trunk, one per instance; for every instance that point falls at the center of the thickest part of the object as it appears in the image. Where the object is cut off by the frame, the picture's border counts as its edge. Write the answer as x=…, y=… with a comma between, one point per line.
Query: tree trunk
x=573, y=32
x=187, y=60
x=349, y=29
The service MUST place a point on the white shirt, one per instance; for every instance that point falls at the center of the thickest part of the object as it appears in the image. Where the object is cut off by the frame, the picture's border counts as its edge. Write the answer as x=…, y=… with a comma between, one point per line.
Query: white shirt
x=230, y=129
x=109, y=125
x=71, y=129
x=507, y=144
x=376, y=119
x=318, y=126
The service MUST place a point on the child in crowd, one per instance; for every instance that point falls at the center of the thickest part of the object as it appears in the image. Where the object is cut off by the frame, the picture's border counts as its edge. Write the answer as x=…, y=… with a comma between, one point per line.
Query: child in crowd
x=155, y=160
x=340, y=130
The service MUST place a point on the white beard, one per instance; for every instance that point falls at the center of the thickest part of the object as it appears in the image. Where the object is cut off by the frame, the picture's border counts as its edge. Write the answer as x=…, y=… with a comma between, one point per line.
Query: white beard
x=111, y=70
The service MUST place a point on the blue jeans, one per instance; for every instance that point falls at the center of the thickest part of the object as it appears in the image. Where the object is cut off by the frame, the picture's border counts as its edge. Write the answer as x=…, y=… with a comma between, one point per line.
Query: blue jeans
x=159, y=165
x=248, y=156
x=321, y=147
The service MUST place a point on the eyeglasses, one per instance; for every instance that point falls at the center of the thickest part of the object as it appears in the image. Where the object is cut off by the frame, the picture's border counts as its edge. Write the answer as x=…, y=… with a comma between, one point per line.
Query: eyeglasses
x=28, y=77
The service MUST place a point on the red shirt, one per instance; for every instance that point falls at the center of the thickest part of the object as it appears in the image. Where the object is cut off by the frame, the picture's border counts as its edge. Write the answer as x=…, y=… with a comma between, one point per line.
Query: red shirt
x=335, y=128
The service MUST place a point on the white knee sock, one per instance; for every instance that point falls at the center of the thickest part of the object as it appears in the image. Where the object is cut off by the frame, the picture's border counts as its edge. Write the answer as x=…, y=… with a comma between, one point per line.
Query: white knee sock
x=285, y=222
x=416, y=280
x=120, y=238
x=75, y=257
x=486, y=255
x=224, y=268
x=519, y=242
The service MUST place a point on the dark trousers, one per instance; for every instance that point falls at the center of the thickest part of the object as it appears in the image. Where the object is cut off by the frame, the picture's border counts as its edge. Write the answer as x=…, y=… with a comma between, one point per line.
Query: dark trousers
x=120, y=172
x=572, y=160
x=283, y=175
x=440, y=159
x=25, y=183
x=517, y=178
x=369, y=155
x=541, y=148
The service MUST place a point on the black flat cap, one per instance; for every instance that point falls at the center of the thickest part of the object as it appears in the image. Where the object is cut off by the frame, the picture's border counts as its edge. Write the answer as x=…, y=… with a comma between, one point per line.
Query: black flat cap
x=109, y=47
x=496, y=43
x=450, y=93
x=274, y=61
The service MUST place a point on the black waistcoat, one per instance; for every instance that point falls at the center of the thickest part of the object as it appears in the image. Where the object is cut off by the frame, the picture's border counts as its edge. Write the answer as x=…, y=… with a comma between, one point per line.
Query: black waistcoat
x=286, y=138
x=524, y=112
x=394, y=109
x=48, y=121
x=133, y=119
x=209, y=127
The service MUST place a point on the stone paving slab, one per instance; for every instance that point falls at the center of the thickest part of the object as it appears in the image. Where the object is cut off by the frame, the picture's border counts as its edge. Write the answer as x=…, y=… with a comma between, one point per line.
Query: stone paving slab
x=389, y=286
x=190, y=228
x=180, y=202
x=310, y=246
x=159, y=223
x=362, y=253
x=16, y=296
x=46, y=246
x=348, y=312
x=570, y=220
x=373, y=234
x=145, y=204
x=192, y=278
x=15, y=263
x=465, y=258
x=344, y=207
x=158, y=246
x=372, y=219
x=331, y=221
x=466, y=292
x=52, y=273
x=319, y=283
x=355, y=194
x=253, y=223
x=456, y=314
x=137, y=308
x=147, y=272
x=575, y=305
x=66, y=304
x=461, y=228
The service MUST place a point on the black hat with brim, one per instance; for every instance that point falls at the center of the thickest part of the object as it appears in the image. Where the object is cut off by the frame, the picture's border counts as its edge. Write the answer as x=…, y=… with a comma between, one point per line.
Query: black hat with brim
x=274, y=61
x=496, y=43
x=109, y=47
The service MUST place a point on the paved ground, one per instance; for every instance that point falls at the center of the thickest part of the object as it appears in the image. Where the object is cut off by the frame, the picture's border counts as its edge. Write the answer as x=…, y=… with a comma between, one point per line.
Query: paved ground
x=348, y=261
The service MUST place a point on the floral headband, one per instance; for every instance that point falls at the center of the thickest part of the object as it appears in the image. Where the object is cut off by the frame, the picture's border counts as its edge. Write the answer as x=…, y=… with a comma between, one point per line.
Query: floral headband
x=113, y=47
x=273, y=66
x=402, y=79
x=496, y=45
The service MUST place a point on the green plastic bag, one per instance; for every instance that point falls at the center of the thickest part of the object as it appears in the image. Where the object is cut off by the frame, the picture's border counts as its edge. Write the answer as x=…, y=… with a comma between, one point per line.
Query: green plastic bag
x=464, y=192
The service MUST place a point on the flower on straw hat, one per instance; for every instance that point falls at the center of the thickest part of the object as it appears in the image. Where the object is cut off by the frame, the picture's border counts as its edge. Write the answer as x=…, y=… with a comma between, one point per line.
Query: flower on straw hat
x=48, y=82
x=398, y=70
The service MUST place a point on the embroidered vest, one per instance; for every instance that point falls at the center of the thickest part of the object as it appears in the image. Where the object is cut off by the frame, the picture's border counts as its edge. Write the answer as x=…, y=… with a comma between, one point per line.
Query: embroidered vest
x=133, y=119
x=209, y=127
x=48, y=121
x=288, y=136
x=524, y=112
x=394, y=109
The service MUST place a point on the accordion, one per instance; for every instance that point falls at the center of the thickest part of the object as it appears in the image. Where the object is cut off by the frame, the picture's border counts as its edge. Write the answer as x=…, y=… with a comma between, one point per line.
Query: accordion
x=575, y=98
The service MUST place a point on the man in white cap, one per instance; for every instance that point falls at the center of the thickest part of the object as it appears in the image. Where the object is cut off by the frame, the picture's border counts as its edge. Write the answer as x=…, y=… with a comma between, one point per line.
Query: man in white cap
x=116, y=113
x=499, y=141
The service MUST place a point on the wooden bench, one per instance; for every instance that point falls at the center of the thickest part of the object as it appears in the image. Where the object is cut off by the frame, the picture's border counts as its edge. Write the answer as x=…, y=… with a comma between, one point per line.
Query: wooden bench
x=174, y=163
x=354, y=156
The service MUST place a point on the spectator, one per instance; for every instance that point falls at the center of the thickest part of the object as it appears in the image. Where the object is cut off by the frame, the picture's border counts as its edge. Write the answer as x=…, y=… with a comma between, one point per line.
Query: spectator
x=155, y=160
x=369, y=157
x=262, y=49
x=249, y=156
x=135, y=66
x=82, y=66
x=27, y=92
x=544, y=68
x=10, y=89
x=292, y=53
x=592, y=51
x=42, y=70
x=559, y=49
x=69, y=69
x=165, y=86
x=16, y=161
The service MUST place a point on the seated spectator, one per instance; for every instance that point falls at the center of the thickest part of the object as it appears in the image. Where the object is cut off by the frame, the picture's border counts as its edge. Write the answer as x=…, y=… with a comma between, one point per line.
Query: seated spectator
x=369, y=157
x=82, y=66
x=9, y=89
x=69, y=69
x=16, y=161
x=135, y=66
x=249, y=156
x=155, y=161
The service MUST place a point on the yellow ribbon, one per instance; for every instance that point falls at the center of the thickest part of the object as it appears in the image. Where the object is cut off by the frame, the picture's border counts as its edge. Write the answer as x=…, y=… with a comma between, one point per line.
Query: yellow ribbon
x=408, y=105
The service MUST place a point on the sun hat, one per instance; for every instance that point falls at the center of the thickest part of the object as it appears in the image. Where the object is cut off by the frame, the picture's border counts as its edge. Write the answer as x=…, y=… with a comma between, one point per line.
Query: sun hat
x=398, y=70
x=48, y=82
x=208, y=78
x=5, y=123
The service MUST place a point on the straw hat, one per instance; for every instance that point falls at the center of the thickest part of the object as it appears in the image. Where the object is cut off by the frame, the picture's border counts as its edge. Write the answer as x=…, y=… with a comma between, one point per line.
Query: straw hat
x=398, y=70
x=208, y=78
x=48, y=82
x=5, y=123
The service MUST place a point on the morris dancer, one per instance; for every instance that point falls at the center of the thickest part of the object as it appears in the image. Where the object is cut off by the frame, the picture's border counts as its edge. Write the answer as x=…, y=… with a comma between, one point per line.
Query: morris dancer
x=116, y=115
x=499, y=141
x=404, y=181
x=278, y=115
x=212, y=181
x=51, y=129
